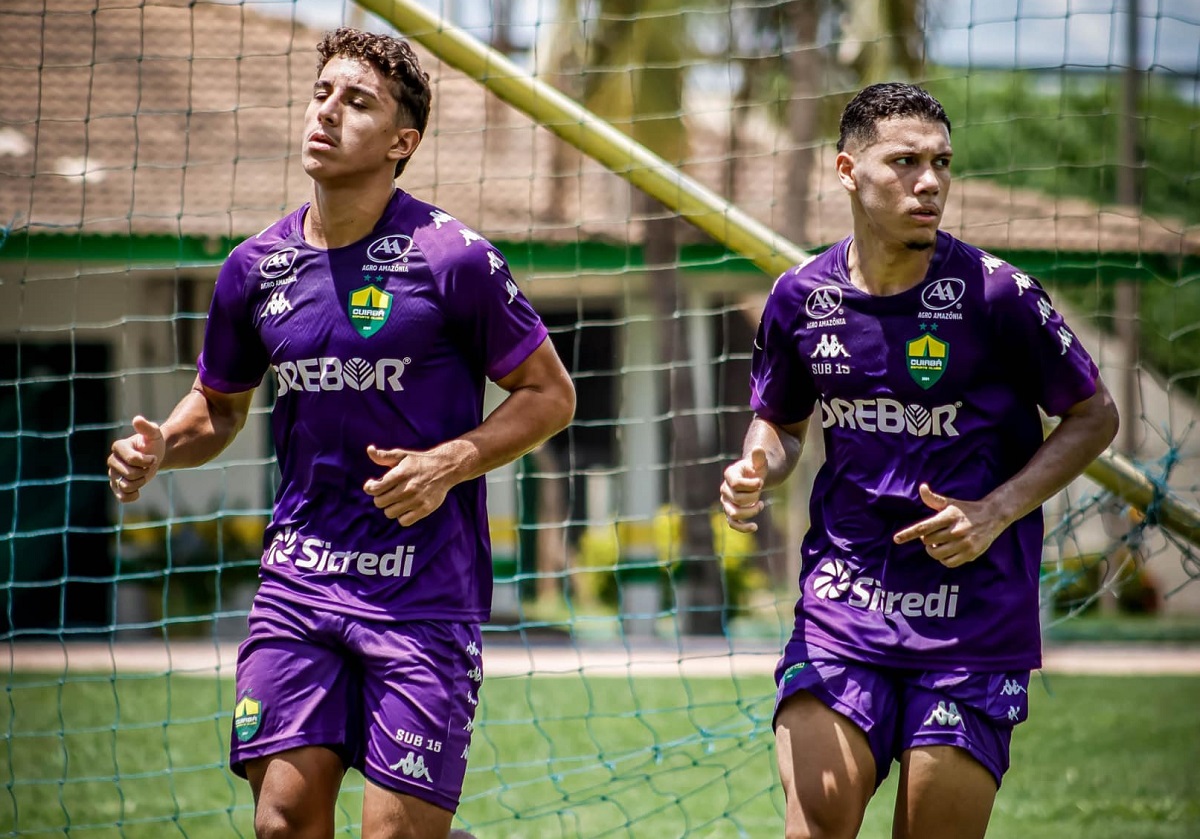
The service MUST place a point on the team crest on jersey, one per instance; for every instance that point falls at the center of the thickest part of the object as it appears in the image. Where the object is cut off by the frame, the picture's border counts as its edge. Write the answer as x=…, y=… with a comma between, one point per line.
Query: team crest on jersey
x=247, y=717
x=926, y=357
x=369, y=308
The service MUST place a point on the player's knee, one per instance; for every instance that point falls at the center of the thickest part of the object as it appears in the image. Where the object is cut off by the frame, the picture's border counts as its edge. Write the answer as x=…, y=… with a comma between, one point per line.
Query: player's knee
x=275, y=822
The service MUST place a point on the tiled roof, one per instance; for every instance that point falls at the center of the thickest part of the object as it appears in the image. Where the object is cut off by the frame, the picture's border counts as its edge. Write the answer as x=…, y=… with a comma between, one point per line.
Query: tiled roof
x=177, y=117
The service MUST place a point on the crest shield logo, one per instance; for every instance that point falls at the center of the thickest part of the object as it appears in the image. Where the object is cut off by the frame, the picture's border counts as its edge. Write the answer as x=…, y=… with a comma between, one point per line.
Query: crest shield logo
x=369, y=308
x=926, y=357
x=247, y=717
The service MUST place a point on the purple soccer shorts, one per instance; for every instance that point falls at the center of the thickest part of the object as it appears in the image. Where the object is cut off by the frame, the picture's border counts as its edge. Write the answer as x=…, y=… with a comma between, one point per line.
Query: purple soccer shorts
x=900, y=709
x=395, y=700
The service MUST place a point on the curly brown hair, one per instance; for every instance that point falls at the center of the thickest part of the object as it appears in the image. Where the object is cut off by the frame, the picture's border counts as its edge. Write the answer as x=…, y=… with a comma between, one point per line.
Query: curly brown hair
x=395, y=59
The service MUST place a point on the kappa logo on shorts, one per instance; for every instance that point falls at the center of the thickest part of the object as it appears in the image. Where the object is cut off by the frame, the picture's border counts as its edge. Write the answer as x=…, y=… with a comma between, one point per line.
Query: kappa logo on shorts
x=413, y=765
x=247, y=717
x=946, y=713
x=1011, y=688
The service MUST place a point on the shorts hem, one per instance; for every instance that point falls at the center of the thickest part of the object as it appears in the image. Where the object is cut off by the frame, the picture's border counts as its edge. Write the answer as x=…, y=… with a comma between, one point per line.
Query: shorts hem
x=429, y=796
x=964, y=744
x=822, y=695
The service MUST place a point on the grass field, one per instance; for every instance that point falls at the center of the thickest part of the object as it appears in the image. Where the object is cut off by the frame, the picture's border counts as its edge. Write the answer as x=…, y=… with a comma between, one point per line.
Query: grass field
x=142, y=757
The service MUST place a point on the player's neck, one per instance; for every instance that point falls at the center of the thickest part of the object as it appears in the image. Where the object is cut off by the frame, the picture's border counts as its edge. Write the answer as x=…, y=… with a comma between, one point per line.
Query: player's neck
x=884, y=268
x=341, y=215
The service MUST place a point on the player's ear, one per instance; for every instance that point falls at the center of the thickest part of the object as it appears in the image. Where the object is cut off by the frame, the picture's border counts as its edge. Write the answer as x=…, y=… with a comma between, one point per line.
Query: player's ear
x=844, y=165
x=404, y=144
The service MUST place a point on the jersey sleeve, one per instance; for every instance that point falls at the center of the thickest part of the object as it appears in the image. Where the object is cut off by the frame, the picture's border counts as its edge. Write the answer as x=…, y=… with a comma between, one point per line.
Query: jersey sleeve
x=233, y=359
x=1044, y=354
x=782, y=390
x=487, y=310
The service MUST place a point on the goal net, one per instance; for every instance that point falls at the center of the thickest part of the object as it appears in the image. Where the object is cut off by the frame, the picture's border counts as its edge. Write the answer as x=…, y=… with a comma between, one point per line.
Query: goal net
x=647, y=169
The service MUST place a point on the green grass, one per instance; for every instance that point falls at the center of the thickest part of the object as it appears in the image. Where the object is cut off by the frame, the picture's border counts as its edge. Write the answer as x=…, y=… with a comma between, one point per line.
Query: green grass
x=143, y=756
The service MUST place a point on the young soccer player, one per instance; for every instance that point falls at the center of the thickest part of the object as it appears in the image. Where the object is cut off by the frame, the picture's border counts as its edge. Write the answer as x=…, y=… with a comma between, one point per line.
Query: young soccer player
x=927, y=359
x=379, y=316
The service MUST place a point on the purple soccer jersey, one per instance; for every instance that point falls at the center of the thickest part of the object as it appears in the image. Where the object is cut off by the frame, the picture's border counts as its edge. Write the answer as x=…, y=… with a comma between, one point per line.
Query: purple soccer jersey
x=385, y=342
x=938, y=384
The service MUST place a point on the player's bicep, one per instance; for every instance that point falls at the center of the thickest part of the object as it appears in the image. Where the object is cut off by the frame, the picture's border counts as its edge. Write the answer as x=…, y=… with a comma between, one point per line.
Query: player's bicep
x=226, y=411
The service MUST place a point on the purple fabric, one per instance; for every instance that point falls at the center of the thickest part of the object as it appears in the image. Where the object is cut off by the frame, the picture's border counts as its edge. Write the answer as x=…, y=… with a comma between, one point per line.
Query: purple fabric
x=902, y=709
x=938, y=384
x=395, y=701
x=385, y=342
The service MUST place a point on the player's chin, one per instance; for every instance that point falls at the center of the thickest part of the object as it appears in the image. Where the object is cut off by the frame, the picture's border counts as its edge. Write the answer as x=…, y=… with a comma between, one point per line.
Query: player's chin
x=922, y=242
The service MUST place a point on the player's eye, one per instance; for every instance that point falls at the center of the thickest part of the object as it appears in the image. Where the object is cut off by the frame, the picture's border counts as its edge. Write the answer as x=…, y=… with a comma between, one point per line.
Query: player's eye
x=904, y=160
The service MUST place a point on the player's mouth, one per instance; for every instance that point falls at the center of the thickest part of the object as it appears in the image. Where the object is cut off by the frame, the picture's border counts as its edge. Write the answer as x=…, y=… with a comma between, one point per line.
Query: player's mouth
x=926, y=214
x=320, y=140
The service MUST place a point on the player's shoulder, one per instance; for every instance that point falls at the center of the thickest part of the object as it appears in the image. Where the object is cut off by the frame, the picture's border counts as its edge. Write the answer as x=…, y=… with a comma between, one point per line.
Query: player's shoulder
x=815, y=285
x=1001, y=281
x=272, y=250
x=447, y=243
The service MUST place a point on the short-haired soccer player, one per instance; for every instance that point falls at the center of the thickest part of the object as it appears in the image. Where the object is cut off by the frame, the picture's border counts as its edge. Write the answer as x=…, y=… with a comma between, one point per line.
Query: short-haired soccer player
x=927, y=360
x=379, y=316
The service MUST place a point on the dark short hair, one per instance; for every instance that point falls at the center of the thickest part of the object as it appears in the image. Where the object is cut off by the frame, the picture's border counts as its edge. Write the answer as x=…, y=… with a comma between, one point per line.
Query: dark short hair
x=395, y=59
x=882, y=101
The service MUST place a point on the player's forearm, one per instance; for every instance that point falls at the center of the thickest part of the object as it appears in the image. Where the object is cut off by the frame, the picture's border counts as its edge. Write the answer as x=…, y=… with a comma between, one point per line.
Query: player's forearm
x=782, y=446
x=524, y=420
x=1078, y=440
x=198, y=430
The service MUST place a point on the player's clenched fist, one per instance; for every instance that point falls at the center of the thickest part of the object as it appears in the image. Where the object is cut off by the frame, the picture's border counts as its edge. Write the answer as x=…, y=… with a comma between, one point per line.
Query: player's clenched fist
x=135, y=459
x=742, y=488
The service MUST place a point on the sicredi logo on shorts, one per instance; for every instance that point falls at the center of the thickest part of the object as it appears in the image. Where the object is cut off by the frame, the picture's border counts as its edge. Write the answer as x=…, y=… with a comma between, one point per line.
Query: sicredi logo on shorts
x=320, y=556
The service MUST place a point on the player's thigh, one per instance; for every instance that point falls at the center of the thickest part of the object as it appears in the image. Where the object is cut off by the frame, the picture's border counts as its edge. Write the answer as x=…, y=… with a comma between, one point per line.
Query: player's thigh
x=295, y=792
x=421, y=683
x=826, y=767
x=944, y=793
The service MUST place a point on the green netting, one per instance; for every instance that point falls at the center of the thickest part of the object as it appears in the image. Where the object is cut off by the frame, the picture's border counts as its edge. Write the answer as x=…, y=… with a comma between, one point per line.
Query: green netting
x=629, y=661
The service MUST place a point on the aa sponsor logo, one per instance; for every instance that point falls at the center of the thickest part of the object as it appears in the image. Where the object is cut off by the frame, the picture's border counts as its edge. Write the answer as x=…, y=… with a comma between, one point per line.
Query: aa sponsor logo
x=942, y=294
x=331, y=374
x=834, y=580
x=888, y=416
x=390, y=248
x=277, y=264
x=823, y=301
